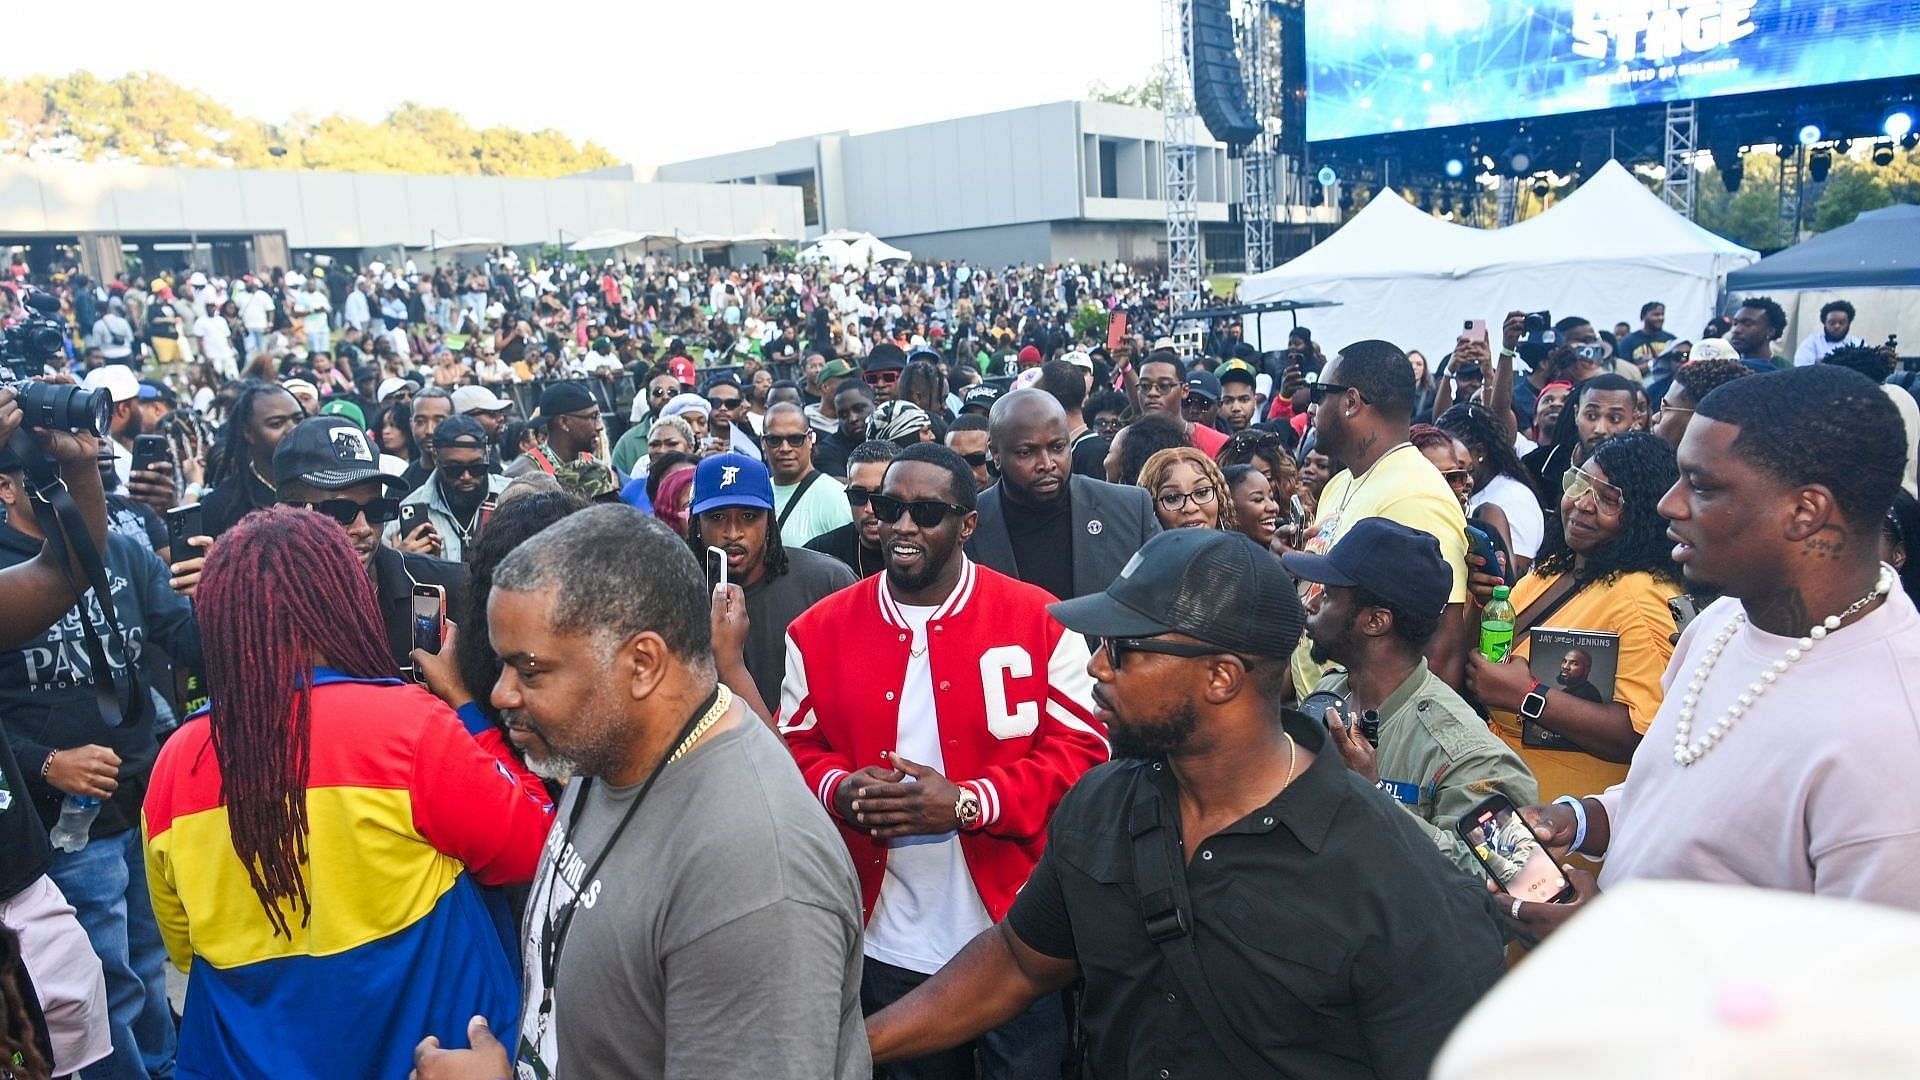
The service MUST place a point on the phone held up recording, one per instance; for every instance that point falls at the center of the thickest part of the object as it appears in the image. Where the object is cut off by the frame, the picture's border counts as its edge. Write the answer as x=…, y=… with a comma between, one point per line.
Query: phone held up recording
x=1504, y=843
x=429, y=621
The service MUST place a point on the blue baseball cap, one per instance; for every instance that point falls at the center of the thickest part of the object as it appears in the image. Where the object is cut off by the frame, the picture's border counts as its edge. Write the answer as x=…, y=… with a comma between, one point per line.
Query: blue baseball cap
x=725, y=480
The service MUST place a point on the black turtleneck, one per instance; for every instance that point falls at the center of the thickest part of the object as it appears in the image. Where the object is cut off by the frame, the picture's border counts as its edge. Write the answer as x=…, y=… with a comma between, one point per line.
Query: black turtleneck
x=1042, y=538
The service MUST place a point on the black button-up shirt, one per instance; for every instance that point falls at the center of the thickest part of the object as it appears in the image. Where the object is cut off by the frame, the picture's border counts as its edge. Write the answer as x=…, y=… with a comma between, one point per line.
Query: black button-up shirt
x=1337, y=940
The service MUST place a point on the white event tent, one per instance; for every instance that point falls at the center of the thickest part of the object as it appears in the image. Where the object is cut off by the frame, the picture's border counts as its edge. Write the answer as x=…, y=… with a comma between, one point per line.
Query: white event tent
x=1414, y=279
x=843, y=248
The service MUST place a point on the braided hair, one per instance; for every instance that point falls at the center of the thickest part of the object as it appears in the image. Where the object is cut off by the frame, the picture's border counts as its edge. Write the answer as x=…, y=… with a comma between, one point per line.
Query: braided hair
x=259, y=659
x=231, y=456
x=775, y=558
x=19, y=1043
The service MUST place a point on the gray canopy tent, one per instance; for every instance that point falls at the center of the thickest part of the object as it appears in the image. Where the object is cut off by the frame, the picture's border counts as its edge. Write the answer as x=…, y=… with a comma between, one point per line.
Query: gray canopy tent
x=1872, y=263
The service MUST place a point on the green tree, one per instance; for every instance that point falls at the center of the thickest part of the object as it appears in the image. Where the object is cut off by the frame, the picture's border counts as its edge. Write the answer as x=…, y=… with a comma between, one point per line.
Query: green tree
x=1850, y=190
x=1750, y=216
x=1149, y=93
x=151, y=120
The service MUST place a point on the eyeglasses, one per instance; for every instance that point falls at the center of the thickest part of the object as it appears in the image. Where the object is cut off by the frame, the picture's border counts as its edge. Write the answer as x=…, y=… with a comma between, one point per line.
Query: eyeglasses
x=881, y=378
x=926, y=513
x=1197, y=403
x=344, y=511
x=1159, y=386
x=1607, y=499
x=454, y=472
x=1118, y=647
x=795, y=441
x=660, y=392
x=1674, y=408
x=975, y=459
x=725, y=403
x=590, y=415
x=1175, y=501
x=858, y=496
x=1458, y=478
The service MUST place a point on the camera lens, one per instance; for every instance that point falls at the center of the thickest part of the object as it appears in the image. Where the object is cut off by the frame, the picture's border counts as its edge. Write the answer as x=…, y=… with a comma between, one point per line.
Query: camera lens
x=59, y=407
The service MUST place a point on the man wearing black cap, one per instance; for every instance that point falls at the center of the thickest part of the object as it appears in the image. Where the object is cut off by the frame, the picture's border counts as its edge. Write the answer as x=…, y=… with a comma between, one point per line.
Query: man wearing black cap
x=569, y=424
x=326, y=465
x=1239, y=902
x=979, y=399
x=458, y=496
x=1385, y=592
x=881, y=370
x=1202, y=400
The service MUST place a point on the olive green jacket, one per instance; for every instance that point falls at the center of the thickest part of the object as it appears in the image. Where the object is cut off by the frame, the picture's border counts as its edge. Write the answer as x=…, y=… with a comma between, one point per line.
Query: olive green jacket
x=1431, y=740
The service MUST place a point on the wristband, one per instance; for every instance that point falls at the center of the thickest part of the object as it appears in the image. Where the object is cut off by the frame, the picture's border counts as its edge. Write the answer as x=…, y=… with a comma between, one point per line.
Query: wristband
x=47, y=765
x=1579, y=818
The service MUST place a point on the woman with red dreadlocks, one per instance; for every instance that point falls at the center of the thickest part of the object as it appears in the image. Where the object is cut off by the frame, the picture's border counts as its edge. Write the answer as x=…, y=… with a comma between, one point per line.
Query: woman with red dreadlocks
x=348, y=811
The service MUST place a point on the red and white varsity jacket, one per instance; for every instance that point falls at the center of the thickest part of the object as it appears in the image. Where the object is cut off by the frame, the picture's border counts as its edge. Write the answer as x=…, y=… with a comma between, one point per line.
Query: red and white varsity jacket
x=1014, y=704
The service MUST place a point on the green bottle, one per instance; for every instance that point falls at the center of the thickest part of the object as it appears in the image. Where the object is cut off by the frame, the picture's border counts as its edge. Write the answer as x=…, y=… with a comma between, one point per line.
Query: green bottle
x=1496, y=626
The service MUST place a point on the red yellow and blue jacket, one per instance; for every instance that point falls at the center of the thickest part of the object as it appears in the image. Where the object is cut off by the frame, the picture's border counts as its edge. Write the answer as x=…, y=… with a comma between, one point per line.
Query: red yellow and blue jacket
x=407, y=815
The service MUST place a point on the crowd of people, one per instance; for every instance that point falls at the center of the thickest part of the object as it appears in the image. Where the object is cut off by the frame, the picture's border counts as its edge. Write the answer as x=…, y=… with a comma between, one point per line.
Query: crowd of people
x=1025, y=696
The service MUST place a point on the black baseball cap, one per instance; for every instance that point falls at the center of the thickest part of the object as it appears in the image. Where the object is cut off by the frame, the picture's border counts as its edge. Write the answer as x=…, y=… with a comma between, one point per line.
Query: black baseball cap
x=562, y=397
x=330, y=453
x=459, y=432
x=981, y=397
x=1217, y=586
x=1204, y=383
x=885, y=356
x=1399, y=565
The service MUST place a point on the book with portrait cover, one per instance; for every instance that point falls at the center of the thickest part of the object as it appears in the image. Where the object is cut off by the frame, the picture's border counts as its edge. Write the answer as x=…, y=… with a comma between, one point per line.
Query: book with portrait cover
x=1577, y=662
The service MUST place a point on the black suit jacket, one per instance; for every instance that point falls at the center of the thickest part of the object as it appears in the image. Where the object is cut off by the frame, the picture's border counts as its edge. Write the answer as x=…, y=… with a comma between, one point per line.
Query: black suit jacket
x=394, y=575
x=1110, y=523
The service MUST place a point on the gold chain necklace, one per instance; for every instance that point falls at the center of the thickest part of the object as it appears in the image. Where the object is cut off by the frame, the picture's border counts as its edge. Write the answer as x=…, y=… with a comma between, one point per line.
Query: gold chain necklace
x=256, y=475
x=1292, y=748
x=712, y=716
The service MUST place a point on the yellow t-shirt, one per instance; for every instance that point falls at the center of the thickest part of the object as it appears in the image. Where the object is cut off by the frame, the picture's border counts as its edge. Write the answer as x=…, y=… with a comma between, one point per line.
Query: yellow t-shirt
x=1633, y=606
x=1402, y=486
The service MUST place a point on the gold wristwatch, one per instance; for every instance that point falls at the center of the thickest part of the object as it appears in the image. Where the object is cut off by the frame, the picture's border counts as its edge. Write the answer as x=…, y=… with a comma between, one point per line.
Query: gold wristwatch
x=966, y=809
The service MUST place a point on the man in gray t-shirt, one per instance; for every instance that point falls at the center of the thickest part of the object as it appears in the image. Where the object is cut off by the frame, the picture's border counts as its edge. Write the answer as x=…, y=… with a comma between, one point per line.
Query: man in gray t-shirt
x=729, y=881
x=694, y=913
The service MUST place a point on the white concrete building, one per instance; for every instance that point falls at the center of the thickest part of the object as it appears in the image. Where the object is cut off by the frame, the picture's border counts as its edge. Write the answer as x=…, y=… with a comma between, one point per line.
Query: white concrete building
x=1070, y=180
x=244, y=218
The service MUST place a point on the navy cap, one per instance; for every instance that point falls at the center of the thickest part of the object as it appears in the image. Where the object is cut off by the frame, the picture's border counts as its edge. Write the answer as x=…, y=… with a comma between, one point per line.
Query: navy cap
x=1217, y=586
x=1204, y=383
x=459, y=432
x=328, y=452
x=1399, y=565
x=725, y=480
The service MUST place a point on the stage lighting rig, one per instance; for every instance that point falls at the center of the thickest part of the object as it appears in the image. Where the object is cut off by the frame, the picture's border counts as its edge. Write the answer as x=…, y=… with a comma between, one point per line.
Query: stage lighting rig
x=1883, y=153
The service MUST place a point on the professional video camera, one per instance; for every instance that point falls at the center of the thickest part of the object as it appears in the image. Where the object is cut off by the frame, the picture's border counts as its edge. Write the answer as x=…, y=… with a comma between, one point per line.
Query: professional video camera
x=28, y=347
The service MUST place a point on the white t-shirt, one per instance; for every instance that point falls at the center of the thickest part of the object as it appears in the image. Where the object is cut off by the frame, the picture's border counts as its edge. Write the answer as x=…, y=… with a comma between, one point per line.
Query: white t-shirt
x=1524, y=519
x=928, y=908
x=214, y=337
x=256, y=310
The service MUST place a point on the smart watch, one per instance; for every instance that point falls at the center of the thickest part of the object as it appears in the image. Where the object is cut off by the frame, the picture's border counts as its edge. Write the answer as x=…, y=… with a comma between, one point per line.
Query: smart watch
x=966, y=809
x=1535, y=702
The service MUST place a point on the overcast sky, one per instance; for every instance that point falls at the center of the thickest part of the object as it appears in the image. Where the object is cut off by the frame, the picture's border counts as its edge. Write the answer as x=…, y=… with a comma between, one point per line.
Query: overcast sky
x=653, y=81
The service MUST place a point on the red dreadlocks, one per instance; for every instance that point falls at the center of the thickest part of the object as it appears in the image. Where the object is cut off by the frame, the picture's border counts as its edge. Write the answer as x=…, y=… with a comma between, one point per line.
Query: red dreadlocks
x=282, y=591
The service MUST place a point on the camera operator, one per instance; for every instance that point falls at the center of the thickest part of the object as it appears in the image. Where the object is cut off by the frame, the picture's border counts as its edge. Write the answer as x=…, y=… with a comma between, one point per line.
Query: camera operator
x=59, y=962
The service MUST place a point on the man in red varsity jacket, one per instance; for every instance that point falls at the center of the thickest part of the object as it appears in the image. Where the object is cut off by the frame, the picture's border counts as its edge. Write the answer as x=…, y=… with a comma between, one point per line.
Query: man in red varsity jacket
x=940, y=713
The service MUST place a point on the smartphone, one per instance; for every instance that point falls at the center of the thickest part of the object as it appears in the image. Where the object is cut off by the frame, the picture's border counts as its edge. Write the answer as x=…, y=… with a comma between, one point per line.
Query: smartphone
x=1482, y=541
x=429, y=619
x=1297, y=513
x=149, y=450
x=1116, y=330
x=1476, y=330
x=412, y=516
x=1505, y=845
x=717, y=566
x=183, y=522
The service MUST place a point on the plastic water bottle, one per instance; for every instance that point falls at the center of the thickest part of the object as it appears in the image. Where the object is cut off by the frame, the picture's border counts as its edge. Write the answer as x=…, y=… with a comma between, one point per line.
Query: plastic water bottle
x=76, y=817
x=1496, y=626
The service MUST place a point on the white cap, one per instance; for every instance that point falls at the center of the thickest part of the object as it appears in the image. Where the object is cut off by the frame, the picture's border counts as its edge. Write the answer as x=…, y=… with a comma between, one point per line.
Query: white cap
x=1713, y=348
x=118, y=380
x=1079, y=359
x=388, y=387
x=472, y=399
x=196, y=279
x=1752, y=983
x=1263, y=385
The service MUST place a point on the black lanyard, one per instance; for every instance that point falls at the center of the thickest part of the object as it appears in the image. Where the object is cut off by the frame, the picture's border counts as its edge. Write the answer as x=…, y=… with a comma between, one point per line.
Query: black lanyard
x=555, y=937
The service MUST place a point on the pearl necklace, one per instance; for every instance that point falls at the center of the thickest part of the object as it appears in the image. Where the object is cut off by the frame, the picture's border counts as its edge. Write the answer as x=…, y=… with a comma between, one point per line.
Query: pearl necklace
x=1685, y=752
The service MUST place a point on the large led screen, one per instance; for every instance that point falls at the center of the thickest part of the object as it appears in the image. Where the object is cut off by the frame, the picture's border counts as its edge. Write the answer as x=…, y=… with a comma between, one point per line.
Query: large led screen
x=1401, y=65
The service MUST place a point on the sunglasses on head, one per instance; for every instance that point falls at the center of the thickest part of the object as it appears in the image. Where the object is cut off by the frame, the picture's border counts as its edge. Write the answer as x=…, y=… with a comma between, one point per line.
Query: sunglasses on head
x=344, y=511
x=926, y=513
x=454, y=471
x=784, y=440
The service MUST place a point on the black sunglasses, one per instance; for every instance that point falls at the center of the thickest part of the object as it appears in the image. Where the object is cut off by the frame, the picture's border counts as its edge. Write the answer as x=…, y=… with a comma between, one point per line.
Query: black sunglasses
x=784, y=440
x=1196, y=402
x=975, y=459
x=1317, y=392
x=1118, y=648
x=927, y=513
x=344, y=511
x=725, y=403
x=858, y=496
x=453, y=471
